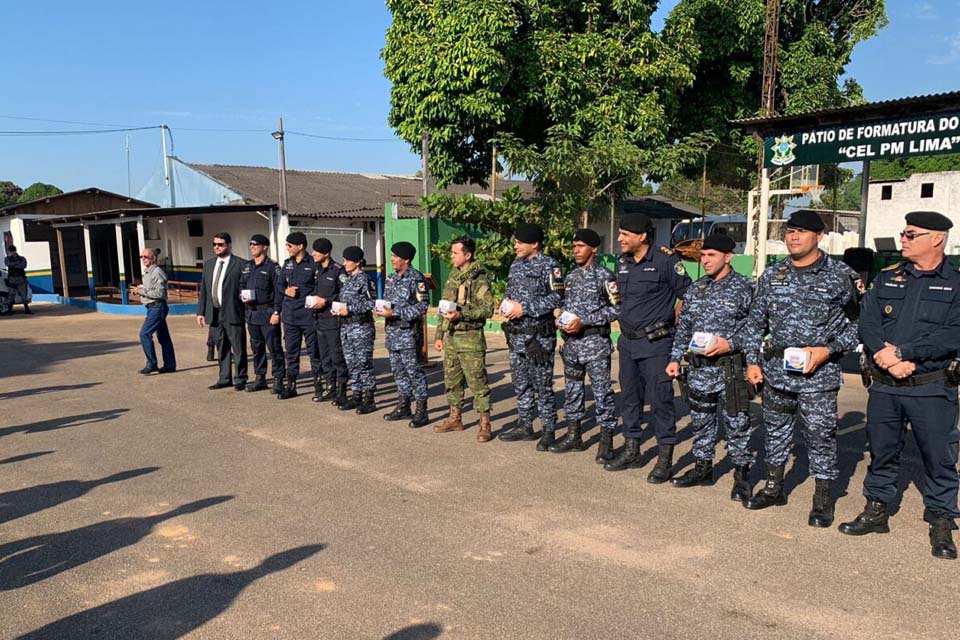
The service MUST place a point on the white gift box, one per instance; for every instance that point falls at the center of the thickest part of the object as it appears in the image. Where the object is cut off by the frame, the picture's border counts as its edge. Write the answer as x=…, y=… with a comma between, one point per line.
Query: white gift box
x=448, y=306
x=702, y=342
x=310, y=301
x=506, y=307
x=335, y=307
x=380, y=305
x=247, y=295
x=566, y=318
x=795, y=360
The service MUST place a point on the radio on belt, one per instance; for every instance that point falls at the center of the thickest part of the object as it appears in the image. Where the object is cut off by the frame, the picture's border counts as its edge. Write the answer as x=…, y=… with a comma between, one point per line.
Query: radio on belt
x=702, y=342
x=795, y=360
x=448, y=306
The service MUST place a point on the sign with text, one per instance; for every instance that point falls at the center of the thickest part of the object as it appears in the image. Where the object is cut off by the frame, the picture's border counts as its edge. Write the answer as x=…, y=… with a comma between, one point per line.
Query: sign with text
x=918, y=136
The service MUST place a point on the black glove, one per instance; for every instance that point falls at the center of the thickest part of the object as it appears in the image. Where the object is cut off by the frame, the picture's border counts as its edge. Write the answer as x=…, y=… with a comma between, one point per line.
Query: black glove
x=535, y=353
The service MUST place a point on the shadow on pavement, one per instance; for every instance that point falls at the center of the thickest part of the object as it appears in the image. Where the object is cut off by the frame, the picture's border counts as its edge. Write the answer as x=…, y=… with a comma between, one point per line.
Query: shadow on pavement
x=64, y=422
x=23, y=502
x=417, y=632
x=31, y=560
x=171, y=610
x=25, y=456
x=22, y=357
x=24, y=393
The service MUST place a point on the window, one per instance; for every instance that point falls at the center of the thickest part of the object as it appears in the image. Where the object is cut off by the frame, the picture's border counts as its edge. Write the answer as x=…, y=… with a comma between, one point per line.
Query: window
x=886, y=192
x=198, y=261
x=195, y=228
x=926, y=190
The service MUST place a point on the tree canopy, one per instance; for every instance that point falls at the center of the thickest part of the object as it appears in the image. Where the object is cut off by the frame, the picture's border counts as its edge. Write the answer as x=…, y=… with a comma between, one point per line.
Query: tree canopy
x=38, y=190
x=9, y=192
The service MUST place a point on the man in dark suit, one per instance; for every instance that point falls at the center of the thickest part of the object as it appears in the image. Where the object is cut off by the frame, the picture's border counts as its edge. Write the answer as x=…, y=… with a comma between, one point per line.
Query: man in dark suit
x=220, y=306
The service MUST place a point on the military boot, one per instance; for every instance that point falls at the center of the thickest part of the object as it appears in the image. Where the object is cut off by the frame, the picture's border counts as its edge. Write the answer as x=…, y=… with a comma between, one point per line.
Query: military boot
x=941, y=539
x=483, y=434
x=742, y=491
x=211, y=357
x=547, y=440
x=700, y=475
x=259, y=384
x=629, y=457
x=453, y=423
x=420, y=415
x=402, y=410
x=317, y=388
x=289, y=391
x=664, y=468
x=367, y=404
x=873, y=519
x=352, y=402
x=772, y=494
x=821, y=515
x=605, y=450
x=572, y=440
x=329, y=390
x=277, y=386
x=519, y=431
x=341, y=398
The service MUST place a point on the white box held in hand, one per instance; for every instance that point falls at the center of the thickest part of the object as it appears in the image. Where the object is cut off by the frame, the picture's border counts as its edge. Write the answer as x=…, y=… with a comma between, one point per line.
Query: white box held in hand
x=335, y=307
x=380, y=305
x=448, y=306
x=702, y=342
x=507, y=307
x=795, y=360
x=310, y=301
x=247, y=295
x=566, y=318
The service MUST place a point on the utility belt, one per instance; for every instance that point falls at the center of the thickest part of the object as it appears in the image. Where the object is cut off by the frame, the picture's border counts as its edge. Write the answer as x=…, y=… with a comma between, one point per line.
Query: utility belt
x=261, y=307
x=737, y=392
x=151, y=305
x=543, y=328
x=598, y=330
x=464, y=327
x=397, y=323
x=651, y=333
x=700, y=360
x=870, y=375
x=359, y=318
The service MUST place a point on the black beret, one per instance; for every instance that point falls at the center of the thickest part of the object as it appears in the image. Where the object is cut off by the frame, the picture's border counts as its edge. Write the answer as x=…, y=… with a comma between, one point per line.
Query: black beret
x=259, y=238
x=403, y=250
x=930, y=220
x=636, y=223
x=322, y=245
x=719, y=242
x=806, y=219
x=529, y=232
x=297, y=237
x=587, y=236
x=354, y=254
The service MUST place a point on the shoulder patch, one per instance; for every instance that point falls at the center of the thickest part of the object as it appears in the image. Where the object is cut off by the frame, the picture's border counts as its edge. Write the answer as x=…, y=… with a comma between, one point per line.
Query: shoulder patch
x=556, y=280
x=422, y=291
x=613, y=292
x=679, y=268
x=344, y=278
x=666, y=251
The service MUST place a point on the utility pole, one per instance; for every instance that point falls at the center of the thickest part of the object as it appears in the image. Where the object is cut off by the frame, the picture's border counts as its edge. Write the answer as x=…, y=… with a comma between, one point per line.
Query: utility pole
x=126, y=145
x=767, y=109
x=279, y=136
x=493, y=175
x=168, y=180
x=425, y=170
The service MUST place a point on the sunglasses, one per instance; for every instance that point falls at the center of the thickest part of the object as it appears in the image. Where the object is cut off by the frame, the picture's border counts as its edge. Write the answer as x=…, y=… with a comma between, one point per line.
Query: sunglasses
x=219, y=244
x=912, y=235
x=254, y=244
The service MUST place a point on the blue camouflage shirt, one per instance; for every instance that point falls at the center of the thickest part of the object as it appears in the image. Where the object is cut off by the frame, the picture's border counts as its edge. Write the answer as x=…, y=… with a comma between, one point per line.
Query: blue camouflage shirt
x=592, y=295
x=410, y=298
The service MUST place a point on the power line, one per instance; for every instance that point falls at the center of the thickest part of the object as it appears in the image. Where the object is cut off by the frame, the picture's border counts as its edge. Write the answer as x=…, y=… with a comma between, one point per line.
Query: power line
x=87, y=124
x=81, y=132
x=340, y=139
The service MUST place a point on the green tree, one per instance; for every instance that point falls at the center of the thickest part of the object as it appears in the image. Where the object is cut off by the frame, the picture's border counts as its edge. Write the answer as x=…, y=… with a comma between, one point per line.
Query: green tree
x=38, y=190
x=906, y=167
x=9, y=192
x=719, y=198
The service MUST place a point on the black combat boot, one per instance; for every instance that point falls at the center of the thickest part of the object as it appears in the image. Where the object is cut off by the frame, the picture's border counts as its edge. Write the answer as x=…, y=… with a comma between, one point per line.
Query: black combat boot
x=742, y=491
x=290, y=391
x=402, y=410
x=367, y=405
x=821, y=515
x=277, y=386
x=259, y=384
x=873, y=519
x=341, y=394
x=420, y=417
x=211, y=357
x=329, y=390
x=605, y=450
x=772, y=494
x=547, y=439
x=352, y=402
x=628, y=457
x=572, y=440
x=664, y=467
x=519, y=431
x=700, y=475
x=317, y=389
x=941, y=539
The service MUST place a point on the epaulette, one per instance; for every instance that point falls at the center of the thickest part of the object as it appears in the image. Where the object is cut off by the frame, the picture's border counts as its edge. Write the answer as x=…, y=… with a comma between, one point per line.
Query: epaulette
x=666, y=251
x=895, y=265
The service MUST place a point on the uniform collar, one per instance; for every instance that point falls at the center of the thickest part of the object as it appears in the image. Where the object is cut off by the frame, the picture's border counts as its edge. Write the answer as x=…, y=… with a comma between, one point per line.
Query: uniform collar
x=629, y=259
x=821, y=262
x=943, y=270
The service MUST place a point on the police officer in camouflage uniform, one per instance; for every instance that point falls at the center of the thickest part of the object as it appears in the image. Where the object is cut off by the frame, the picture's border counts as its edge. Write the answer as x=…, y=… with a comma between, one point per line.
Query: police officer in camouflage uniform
x=592, y=297
x=357, y=333
x=807, y=301
x=716, y=304
x=331, y=370
x=534, y=292
x=296, y=280
x=259, y=276
x=910, y=327
x=460, y=337
x=406, y=289
x=16, y=266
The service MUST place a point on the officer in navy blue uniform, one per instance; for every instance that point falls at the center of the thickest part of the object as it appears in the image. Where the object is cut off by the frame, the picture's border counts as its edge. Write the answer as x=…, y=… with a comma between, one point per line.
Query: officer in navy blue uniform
x=331, y=367
x=910, y=329
x=263, y=323
x=651, y=280
x=296, y=280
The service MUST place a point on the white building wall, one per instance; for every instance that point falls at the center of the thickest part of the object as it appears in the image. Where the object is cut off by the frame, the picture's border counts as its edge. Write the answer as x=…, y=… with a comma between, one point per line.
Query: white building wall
x=885, y=217
x=173, y=240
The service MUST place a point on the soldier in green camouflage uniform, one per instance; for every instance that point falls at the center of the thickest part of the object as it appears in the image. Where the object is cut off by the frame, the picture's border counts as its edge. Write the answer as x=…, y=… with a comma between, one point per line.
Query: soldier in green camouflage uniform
x=460, y=337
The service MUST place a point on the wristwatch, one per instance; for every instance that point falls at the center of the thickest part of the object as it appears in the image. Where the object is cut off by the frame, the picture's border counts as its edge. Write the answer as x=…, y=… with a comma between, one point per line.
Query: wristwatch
x=896, y=352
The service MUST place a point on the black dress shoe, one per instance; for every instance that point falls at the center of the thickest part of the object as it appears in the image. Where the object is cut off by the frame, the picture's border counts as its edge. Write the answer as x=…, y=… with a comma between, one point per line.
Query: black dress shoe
x=167, y=370
x=941, y=539
x=220, y=385
x=148, y=370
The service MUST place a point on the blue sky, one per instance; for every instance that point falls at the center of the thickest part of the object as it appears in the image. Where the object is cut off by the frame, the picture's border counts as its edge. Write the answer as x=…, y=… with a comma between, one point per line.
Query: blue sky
x=241, y=64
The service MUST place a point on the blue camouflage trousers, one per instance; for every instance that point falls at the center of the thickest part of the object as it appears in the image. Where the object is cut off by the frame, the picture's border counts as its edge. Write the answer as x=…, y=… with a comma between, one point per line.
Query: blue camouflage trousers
x=588, y=356
x=533, y=384
x=707, y=413
x=357, y=341
x=408, y=372
x=817, y=412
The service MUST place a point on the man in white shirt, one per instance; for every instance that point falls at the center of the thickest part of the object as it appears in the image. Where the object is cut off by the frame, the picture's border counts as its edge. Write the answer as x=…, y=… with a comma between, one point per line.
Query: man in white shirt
x=220, y=306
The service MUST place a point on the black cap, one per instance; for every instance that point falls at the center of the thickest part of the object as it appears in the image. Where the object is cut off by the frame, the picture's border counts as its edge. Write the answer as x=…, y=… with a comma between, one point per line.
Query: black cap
x=403, y=250
x=588, y=237
x=354, y=254
x=259, y=238
x=636, y=223
x=807, y=220
x=322, y=245
x=297, y=237
x=529, y=233
x=10, y=247
x=719, y=242
x=930, y=220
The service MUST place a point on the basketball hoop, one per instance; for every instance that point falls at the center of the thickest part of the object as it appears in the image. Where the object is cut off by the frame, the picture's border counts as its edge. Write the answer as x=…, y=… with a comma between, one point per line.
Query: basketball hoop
x=814, y=191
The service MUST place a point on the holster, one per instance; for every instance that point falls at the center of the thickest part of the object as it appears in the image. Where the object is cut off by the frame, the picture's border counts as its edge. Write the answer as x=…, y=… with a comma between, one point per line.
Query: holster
x=865, y=376
x=683, y=380
x=737, y=390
